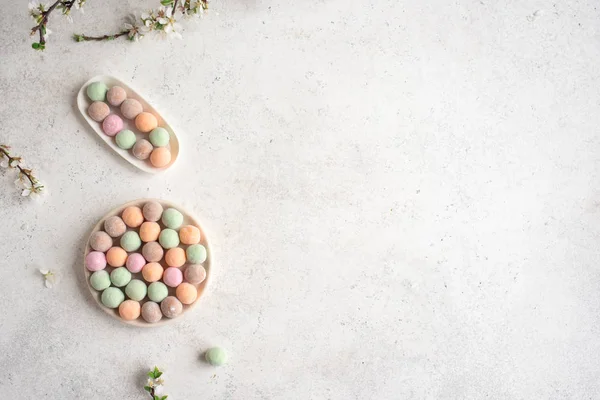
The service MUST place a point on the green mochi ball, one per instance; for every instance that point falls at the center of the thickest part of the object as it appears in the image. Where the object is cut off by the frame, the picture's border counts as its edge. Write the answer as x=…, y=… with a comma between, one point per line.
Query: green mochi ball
x=125, y=139
x=97, y=91
x=120, y=277
x=216, y=356
x=196, y=254
x=157, y=291
x=131, y=241
x=168, y=238
x=136, y=290
x=172, y=218
x=159, y=137
x=100, y=280
x=112, y=297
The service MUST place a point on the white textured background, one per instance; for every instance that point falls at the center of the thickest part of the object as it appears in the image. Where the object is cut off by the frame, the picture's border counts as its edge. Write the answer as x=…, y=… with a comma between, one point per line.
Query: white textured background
x=403, y=199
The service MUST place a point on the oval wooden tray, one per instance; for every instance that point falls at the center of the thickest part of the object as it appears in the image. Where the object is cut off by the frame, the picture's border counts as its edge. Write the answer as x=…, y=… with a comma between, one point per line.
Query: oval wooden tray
x=83, y=102
x=188, y=219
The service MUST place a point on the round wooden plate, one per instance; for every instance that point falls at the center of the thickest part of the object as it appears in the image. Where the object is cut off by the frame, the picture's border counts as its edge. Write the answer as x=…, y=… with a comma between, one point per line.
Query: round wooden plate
x=188, y=219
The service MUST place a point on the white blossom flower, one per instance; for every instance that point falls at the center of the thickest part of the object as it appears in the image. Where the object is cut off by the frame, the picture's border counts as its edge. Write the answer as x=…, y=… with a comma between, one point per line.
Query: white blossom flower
x=49, y=277
x=23, y=182
x=159, y=381
x=172, y=29
x=164, y=15
x=193, y=14
x=147, y=19
x=38, y=195
x=133, y=32
x=150, y=383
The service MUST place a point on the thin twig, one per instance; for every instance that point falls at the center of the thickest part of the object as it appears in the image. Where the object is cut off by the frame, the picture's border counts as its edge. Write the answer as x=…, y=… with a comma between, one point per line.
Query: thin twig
x=175, y=6
x=82, y=38
x=44, y=21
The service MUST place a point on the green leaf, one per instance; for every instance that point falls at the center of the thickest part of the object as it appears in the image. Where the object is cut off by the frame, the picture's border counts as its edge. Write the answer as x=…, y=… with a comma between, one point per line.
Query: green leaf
x=158, y=375
x=166, y=2
x=151, y=374
x=147, y=389
x=156, y=397
x=43, y=28
x=35, y=45
x=164, y=398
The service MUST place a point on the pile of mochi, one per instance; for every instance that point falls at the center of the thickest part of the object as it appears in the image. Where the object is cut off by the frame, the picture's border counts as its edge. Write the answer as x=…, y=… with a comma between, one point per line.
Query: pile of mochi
x=155, y=149
x=139, y=266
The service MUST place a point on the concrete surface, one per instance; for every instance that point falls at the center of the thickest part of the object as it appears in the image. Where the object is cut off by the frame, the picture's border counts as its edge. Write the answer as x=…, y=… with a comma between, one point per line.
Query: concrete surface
x=403, y=199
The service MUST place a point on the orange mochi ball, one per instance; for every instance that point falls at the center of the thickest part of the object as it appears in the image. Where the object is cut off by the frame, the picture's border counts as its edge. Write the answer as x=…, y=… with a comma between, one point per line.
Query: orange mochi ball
x=186, y=293
x=149, y=231
x=116, y=257
x=129, y=310
x=152, y=272
x=160, y=157
x=145, y=122
x=175, y=257
x=189, y=234
x=132, y=216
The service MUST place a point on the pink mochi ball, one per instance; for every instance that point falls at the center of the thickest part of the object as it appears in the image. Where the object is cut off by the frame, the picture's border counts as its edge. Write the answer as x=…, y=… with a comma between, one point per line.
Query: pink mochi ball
x=172, y=277
x=135, y=262
x=112, y=125
x=95, y=261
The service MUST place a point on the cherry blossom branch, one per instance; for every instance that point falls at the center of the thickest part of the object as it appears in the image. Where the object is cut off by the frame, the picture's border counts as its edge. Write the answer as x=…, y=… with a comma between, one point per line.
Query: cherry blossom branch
x=162, y=20
x=154, y=381
x=26, y=180
x=39, y=13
